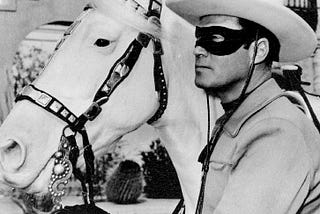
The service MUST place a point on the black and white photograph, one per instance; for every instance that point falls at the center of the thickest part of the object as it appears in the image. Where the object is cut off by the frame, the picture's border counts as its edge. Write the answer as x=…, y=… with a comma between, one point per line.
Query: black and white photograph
x=159, y=107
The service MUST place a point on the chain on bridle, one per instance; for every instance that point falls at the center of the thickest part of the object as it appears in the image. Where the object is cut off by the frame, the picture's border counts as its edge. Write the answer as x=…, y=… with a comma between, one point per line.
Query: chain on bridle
x=68, y=152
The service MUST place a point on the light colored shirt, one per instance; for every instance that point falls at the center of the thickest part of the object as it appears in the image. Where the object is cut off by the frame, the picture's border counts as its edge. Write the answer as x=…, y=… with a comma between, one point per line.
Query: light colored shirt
x=267, y=160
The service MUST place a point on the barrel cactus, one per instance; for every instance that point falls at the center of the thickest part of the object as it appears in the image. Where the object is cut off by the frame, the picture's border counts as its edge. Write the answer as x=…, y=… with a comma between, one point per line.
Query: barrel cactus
x=125, y=185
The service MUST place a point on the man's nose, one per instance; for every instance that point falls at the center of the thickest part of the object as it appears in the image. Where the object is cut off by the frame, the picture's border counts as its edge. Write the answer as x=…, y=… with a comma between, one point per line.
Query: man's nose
x=200, y=51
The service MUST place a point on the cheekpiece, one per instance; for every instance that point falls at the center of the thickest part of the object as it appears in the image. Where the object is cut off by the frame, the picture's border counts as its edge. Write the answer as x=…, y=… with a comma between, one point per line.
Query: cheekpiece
x=61, y=172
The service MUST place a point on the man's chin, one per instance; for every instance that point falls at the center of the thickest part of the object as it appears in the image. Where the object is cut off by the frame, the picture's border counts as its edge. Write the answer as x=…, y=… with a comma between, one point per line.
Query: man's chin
x=211, y=90
x=200, y=83
x=205, y=86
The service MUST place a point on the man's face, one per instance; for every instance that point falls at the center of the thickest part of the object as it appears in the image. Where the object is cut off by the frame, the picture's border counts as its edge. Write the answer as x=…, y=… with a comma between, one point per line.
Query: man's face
x=214, y=70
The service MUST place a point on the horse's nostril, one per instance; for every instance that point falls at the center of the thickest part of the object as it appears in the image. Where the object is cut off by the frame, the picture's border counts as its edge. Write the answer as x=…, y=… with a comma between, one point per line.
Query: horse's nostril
x=11, y=147
x=12, y=155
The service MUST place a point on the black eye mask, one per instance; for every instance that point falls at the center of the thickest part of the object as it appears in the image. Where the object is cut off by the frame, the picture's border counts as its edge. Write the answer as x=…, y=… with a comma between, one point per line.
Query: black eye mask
x=220, y=40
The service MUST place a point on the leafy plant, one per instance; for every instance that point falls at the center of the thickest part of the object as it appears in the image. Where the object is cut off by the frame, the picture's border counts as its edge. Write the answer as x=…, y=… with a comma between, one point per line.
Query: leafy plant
x=28, y=63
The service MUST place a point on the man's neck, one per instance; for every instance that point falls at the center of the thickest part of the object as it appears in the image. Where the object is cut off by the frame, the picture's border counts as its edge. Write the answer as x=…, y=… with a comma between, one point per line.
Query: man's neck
x=233, y=92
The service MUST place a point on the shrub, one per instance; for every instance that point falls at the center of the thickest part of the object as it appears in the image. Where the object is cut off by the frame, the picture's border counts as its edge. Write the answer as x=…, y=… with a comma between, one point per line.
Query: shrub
x=159, y=174
x=28, y=63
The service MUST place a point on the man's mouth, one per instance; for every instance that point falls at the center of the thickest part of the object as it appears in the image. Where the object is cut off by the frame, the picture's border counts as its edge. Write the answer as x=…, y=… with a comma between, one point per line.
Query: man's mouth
x=201, y=67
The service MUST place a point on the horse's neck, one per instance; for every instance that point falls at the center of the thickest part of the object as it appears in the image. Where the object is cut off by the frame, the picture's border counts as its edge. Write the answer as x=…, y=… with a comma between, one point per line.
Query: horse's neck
x=186, y=115
x=183, y=127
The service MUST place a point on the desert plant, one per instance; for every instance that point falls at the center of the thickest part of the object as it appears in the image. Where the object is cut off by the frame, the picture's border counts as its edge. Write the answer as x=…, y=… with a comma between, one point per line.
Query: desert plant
x=159, y=174
x=125, y=185
x=103, y=166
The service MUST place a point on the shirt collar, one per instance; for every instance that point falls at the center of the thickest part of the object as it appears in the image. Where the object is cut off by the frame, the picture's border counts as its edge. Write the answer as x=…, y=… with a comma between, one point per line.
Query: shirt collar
x=258, y=99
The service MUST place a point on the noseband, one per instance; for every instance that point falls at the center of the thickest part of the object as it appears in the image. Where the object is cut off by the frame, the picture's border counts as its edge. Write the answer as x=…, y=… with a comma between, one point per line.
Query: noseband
x=68, y=151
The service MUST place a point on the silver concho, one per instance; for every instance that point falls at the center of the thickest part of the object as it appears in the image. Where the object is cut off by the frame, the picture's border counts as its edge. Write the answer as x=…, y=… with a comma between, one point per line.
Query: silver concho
x=61, y=172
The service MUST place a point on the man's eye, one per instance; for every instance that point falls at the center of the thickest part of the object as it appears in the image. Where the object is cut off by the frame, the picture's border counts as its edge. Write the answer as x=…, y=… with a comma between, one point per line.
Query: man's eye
x=102, y=42
x=217, y=38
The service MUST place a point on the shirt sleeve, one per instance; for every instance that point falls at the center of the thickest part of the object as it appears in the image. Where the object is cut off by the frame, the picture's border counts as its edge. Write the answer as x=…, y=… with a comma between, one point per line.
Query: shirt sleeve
x=272, y=173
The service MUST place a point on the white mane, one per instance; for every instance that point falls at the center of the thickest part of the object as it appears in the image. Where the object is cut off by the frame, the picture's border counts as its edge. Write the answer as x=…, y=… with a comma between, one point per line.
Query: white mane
x=129, y=13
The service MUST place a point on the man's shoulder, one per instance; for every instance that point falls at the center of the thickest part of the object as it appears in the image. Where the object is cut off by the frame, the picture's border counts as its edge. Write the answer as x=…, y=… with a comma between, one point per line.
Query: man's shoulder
x=284, y=109
x=279, y=109
x=287, y=121
x=282, y=114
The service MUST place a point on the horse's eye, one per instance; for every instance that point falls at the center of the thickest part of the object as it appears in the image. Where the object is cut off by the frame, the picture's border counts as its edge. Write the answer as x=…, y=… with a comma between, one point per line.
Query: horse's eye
x=102, y=42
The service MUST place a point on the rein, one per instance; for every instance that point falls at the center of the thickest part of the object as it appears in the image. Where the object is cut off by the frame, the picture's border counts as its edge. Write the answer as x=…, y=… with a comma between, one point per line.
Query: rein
x=68, y=152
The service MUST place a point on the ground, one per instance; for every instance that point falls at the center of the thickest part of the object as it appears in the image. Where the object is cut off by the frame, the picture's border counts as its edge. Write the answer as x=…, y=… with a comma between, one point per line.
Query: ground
x=145, y=206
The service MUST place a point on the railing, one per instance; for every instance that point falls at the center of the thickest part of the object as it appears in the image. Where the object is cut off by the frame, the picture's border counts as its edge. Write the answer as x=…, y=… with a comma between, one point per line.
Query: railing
x=307, y=9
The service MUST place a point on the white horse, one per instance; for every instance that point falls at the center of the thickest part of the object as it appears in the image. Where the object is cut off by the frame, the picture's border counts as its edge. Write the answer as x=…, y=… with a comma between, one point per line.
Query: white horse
x=30, y=136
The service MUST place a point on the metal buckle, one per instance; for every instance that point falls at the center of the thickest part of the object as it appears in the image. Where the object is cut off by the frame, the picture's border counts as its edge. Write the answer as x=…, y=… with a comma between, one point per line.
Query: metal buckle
x=157, y=47
x=93, y=111
x=154, y=8
x=143, y=39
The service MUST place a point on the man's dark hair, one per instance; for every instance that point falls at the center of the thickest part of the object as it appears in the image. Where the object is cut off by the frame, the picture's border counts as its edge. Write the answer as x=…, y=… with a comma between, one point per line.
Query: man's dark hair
x=274, y=45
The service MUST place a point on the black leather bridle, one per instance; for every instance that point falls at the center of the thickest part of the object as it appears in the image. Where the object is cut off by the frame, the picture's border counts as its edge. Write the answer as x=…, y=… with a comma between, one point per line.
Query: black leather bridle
x=68, y=151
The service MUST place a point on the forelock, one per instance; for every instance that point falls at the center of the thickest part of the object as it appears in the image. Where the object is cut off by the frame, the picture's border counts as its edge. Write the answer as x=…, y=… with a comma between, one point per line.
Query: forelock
x=128, y=12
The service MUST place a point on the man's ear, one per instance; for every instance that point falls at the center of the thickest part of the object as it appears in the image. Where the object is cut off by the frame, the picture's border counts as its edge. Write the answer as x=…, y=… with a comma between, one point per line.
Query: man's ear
x=262, y=50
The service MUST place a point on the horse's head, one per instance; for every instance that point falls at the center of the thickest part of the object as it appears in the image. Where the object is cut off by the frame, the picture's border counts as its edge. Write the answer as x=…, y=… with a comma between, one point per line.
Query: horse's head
x=29, y=137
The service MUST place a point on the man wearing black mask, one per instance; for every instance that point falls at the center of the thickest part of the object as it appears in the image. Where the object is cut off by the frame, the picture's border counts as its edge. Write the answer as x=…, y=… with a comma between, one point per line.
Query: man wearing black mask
x=264, y=155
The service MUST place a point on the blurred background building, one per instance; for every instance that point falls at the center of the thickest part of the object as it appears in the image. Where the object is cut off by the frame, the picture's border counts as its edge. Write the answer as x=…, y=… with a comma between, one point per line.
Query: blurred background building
x=308, y=10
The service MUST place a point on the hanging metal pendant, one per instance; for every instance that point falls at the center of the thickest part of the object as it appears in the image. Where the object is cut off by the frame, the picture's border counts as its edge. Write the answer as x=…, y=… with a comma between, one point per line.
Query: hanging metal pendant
x=61, y=172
